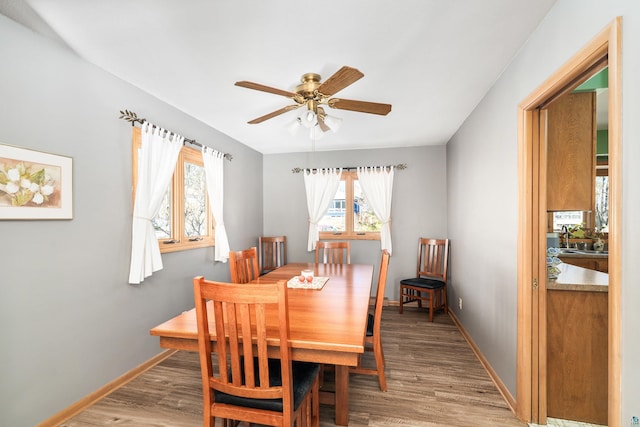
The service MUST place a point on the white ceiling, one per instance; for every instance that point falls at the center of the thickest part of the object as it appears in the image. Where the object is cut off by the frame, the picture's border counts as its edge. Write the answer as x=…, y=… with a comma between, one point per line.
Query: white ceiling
x=433, y=60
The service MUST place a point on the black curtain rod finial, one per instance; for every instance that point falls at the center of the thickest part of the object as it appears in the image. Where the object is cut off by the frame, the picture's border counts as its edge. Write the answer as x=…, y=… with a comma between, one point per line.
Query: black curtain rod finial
x=131, y=117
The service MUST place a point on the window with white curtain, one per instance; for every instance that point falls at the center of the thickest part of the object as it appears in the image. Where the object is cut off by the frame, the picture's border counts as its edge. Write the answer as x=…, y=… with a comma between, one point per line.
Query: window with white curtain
x=350, y=215
x=185, y=220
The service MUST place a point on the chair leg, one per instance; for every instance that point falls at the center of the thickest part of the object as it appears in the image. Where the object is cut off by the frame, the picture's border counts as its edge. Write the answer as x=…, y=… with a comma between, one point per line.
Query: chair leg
x=301, y=416
x=435, y=304
x=315, y=403
x=379, y=356
x=408, y=295
x=321, y=375
x=427, y=295
x=444, y=297
x=378, y=371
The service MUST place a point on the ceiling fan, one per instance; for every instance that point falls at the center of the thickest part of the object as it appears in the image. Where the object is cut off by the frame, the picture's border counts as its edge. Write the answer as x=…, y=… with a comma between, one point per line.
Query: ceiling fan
x=314, y=94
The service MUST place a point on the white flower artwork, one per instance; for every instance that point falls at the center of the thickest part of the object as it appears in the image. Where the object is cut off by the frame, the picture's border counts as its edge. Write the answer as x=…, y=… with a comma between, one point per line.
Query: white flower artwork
x=34, y=185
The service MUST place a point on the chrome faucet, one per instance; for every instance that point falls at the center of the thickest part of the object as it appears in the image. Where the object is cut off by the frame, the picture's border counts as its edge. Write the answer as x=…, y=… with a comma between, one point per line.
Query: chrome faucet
x=565, y=232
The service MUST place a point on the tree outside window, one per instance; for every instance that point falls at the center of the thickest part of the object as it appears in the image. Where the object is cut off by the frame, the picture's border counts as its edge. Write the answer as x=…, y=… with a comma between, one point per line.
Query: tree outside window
x=602, y=204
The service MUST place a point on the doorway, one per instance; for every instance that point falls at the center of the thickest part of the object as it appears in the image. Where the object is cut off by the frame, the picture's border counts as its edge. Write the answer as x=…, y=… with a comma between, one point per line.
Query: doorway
x=531, y=379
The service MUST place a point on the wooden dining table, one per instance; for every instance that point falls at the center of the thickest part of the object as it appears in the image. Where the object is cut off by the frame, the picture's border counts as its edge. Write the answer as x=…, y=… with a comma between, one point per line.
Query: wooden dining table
x=326, y=325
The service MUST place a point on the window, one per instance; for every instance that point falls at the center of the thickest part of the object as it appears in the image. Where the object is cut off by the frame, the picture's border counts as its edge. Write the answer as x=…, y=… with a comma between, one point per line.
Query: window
x=349, y=215
x=184, y=220
x=602, y=203
x=568, y=218
x=601, y=220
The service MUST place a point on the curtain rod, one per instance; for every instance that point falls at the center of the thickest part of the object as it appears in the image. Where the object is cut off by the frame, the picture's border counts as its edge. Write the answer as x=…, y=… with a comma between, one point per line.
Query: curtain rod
x=132, y=118
x=400, y=166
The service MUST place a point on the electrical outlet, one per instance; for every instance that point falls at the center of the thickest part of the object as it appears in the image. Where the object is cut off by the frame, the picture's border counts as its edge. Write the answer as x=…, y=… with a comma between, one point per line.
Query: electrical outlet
x=460, y=303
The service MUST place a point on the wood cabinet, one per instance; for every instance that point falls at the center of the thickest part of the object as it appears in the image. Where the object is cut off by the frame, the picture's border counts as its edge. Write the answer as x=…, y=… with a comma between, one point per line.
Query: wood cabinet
x=599, y=264
x=592, y=263
x=577, y=357
x=571, y=152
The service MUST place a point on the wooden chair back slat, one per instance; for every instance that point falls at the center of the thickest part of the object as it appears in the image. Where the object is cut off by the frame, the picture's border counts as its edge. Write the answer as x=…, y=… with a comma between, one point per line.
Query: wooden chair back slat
x=243, y=265
x=272, y=253
x=433, y=258
x=333, y=252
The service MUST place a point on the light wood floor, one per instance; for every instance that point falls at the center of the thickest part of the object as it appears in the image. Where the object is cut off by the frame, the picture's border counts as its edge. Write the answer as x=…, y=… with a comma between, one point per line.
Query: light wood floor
x=434, y=379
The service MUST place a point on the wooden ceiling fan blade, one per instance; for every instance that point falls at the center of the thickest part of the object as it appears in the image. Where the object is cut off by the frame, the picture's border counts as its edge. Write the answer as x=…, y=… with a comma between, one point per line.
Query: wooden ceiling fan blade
x=360, y=106
x=273, y=114
x=321, y=123
x=339, y=80
x=263, y=88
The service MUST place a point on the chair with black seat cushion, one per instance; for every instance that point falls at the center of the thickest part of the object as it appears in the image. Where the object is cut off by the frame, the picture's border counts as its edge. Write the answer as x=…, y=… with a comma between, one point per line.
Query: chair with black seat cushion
x=245, y=384
x=272, y=253
x=373, y=341
x=430, y=284
x=333, y=252
x=243, y=265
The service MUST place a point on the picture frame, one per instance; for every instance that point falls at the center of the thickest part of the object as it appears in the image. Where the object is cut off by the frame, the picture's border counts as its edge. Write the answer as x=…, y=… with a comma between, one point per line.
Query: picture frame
x=35, y=185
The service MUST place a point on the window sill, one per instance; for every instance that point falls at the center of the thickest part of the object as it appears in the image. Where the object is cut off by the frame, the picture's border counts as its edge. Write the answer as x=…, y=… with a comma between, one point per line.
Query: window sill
x=177, y=247
x=345, y=236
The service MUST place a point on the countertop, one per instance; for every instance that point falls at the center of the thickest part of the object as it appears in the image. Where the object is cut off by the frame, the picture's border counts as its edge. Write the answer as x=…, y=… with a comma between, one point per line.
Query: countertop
x=579, y=254
x=574, y=278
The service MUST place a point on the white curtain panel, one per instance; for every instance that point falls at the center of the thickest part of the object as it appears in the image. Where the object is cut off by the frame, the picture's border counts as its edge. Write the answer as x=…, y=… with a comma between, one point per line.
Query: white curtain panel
x=157, y=159
x=213, y=167
x=321, y=187
x=377, y=186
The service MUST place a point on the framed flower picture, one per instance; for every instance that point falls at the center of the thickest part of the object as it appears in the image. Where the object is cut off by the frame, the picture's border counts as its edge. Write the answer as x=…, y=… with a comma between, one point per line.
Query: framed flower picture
x=35, y=185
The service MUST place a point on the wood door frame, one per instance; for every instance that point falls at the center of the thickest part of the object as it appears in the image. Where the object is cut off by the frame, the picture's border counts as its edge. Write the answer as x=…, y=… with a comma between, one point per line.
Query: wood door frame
x=530, y=365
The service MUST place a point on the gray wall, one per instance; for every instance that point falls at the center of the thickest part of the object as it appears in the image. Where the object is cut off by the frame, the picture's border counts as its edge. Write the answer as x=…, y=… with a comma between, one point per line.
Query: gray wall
x=418, y=205
x=482, y=178
x=69, y=321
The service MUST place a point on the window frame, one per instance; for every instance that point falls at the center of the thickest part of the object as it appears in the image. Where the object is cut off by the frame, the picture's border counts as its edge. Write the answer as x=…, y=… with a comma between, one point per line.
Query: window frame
x=349, y=234
x=589, y=218
x=177, y=241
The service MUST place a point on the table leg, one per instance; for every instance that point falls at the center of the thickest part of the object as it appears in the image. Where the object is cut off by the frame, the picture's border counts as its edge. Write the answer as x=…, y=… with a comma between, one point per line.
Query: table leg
x=342, y=395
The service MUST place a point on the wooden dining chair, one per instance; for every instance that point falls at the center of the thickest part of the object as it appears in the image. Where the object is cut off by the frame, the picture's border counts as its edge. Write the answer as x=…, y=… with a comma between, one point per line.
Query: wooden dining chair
x=245, y=384
x=243, y=265
x=430, y=283
x=333, y=252
x=373, y=341
x=272, y=253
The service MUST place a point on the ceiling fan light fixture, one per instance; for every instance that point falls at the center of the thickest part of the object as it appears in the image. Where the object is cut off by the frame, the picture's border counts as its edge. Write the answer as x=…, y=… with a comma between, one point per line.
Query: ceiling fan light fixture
x=308, y=118
x=294, y=126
